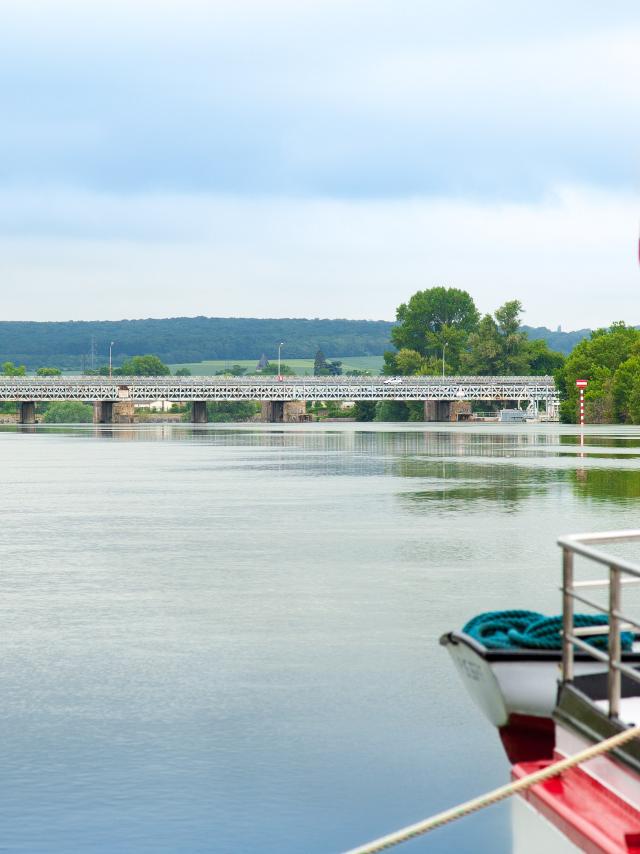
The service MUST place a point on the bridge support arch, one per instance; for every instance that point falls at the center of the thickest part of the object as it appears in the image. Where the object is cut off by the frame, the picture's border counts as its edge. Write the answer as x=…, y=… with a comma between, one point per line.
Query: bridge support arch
x=27, y=412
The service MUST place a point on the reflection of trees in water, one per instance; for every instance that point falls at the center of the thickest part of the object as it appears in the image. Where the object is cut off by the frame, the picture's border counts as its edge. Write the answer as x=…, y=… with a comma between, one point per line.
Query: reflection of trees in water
x=602, y=441
x=442, y=460
x=458, y=443
x=451, y=484
x=610, y=484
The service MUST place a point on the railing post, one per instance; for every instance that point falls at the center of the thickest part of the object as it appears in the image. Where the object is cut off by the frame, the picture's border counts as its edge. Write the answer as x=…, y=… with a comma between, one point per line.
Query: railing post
x=615, y=677
x=567, y=615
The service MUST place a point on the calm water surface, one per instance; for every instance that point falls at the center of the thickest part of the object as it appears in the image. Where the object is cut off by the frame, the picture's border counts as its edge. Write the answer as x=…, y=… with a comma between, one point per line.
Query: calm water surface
x=226, y=639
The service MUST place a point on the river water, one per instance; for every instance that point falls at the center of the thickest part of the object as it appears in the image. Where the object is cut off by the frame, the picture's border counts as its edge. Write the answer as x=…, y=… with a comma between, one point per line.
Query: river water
x=225, y=639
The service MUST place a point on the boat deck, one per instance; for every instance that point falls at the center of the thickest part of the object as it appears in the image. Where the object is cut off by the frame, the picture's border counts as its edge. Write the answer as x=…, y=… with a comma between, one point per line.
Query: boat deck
x=629, y=709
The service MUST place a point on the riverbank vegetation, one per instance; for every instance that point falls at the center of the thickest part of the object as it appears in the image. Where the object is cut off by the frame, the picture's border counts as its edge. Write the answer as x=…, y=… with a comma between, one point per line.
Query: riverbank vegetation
x=610, y=361
x=68, y=412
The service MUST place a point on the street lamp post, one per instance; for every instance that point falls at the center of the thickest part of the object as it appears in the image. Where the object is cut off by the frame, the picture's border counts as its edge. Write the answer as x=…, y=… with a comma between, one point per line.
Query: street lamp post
x=443, y=349
x=110, y=348
x=279, y=346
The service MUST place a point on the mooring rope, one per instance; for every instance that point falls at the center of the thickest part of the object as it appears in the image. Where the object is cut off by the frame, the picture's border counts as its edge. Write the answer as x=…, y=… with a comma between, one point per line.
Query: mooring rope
x=513, y=788
x=530, y=630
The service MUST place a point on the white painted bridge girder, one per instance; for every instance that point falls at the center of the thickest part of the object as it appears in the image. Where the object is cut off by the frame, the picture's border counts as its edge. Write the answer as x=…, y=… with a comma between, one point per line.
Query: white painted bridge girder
x=541, y=389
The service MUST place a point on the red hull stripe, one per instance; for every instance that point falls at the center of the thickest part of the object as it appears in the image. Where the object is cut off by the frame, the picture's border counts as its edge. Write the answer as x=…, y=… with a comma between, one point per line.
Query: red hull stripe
x=587, y=813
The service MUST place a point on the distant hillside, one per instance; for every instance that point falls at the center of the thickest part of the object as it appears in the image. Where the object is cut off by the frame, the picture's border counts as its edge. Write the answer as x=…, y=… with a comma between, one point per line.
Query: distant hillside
x=563, y=342
x=187, y=339
x=70, y=345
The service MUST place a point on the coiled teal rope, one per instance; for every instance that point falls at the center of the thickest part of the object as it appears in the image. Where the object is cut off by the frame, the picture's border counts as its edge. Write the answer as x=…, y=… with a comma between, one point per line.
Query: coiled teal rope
x=530, y=630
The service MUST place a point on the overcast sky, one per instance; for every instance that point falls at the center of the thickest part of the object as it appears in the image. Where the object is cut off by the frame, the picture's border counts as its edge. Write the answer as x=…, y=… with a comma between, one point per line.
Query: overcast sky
x=318, y=158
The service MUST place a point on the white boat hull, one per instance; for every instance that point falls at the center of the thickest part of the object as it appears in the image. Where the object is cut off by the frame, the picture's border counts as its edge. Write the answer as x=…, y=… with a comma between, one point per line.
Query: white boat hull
x=519, y=685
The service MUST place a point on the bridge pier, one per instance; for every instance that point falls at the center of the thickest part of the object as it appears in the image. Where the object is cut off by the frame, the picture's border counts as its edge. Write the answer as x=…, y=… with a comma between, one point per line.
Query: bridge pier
x=103, y=412
x=283, y=411
x=113, y=412
x=27, y=412
x=437, y=410
x=272, y=411
x=447, y=410
x=123, y=412
x=199, y=412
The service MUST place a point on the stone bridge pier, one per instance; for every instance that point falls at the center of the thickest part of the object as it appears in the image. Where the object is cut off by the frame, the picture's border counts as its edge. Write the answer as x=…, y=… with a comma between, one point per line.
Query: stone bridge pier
x=283, y=411
x=113, y=412
x=447, y=410
x=27, y=412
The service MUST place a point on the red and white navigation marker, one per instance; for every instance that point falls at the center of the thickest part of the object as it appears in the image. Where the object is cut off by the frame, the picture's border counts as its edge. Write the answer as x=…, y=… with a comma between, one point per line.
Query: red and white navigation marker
x=581, y=385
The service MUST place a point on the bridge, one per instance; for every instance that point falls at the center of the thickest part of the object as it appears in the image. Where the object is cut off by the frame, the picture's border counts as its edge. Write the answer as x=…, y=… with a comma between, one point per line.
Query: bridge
x=283, y=399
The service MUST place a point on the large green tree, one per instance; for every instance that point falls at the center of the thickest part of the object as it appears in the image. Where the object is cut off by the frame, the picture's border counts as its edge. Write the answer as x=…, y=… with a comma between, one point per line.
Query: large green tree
x=500, y=348
x=430, y=313
x=542, y=360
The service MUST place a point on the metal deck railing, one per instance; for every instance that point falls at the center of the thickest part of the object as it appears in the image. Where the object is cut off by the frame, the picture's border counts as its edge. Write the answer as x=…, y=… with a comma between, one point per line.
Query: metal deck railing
x=621, y=572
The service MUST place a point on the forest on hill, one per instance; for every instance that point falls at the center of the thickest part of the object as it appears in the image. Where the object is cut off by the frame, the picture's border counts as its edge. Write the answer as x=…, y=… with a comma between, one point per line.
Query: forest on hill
x=83, y=344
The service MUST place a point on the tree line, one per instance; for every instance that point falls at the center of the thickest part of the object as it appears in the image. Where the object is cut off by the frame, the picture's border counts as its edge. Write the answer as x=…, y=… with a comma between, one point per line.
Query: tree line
x=75, y=345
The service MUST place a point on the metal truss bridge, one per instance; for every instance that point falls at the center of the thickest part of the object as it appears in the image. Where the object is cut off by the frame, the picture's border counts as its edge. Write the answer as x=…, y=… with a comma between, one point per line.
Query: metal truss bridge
x=283, y=399
x=533, y=389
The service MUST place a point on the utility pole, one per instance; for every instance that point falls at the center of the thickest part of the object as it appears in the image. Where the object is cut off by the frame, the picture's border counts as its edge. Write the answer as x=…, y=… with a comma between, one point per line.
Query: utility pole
x=279, y=348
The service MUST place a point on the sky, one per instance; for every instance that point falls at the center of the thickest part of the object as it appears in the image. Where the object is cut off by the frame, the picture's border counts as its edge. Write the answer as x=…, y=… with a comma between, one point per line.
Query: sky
x=318, y=158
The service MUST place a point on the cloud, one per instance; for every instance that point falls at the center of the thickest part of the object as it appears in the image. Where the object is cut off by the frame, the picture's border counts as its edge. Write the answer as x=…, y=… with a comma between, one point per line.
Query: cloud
x=570, y=258
x=341, y=99
x=318, y=157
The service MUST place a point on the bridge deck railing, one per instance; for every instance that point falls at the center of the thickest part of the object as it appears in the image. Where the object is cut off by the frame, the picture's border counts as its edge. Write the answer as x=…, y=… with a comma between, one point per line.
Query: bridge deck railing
x=451, y=388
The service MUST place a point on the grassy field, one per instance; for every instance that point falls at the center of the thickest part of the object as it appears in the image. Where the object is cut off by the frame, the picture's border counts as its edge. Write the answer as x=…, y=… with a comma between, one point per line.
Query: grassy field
x=302, y=367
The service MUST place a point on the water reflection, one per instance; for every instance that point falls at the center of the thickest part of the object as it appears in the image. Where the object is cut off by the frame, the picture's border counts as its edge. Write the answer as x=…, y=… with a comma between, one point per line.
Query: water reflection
x=449, y=485
x=610, y=484
x=451, y=466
